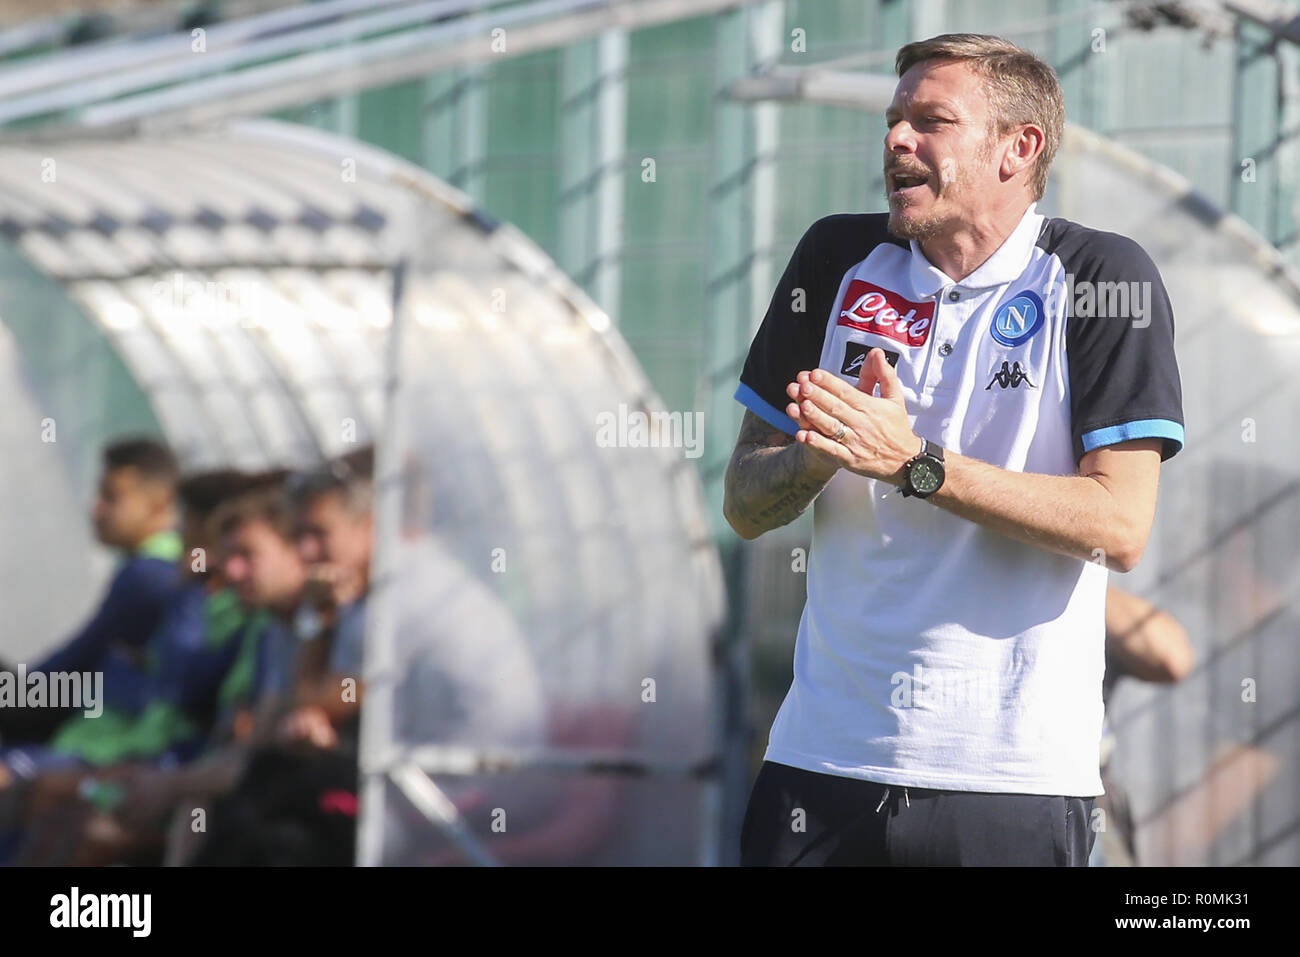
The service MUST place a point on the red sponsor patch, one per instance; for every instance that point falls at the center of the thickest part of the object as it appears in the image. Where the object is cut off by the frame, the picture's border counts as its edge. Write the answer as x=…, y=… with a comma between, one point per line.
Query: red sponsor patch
x=872, y=309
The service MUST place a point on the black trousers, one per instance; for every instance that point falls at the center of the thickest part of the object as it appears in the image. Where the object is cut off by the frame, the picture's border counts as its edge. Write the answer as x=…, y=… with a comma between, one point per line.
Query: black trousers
x=804, y=818
x=293, y=806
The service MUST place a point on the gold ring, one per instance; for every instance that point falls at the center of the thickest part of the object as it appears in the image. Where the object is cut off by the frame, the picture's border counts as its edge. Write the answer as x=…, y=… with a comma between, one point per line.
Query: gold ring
x=839, y=433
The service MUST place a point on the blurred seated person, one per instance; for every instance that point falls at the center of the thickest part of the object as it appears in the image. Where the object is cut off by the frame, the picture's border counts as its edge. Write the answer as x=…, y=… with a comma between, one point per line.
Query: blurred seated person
x=332, y=507
x=466, y=675
x=134, y=512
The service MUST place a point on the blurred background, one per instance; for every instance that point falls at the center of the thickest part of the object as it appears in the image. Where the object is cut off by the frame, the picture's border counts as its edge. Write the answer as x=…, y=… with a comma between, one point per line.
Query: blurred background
x=486, y=237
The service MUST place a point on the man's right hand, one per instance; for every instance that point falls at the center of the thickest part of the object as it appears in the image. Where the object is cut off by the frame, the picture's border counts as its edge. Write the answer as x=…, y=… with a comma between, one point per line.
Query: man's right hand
x=309, y=724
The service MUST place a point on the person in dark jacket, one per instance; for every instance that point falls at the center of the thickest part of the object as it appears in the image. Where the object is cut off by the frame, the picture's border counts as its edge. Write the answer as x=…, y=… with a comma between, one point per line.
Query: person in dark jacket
x=134, y=512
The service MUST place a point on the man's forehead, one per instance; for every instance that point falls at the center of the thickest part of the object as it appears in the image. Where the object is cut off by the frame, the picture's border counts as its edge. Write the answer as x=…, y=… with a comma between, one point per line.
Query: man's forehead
x=122, y=476
x=939, y=83
x=250, y=529
x=904, y=101
x=324, y=504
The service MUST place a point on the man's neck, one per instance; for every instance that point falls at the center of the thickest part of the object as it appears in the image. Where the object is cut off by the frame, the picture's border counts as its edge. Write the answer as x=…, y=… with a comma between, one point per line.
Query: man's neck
x=287, y=612
x=960, y=253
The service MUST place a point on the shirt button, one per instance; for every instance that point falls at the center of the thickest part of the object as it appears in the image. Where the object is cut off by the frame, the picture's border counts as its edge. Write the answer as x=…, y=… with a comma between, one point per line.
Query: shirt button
x=945, y=348
x=954, y=296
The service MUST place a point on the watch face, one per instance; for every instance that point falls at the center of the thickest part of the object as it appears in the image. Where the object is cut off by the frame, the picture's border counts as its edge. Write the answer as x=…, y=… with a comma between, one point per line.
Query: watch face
x=926, y=476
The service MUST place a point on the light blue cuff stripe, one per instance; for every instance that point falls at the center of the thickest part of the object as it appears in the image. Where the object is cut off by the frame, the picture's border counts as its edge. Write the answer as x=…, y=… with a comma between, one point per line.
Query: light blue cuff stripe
x=765, y=410
x=1139, y=429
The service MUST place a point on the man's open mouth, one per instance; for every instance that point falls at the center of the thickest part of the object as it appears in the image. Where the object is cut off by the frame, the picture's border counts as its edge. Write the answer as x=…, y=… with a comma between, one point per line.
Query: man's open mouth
x=902, y=182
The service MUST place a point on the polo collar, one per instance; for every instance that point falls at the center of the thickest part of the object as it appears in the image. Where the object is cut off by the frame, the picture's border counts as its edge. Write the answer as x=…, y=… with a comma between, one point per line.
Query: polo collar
x=165, y=546
x=1007, y=262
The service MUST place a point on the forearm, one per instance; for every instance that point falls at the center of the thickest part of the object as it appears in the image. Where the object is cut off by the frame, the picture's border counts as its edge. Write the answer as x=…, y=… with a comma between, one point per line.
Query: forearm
x=215, y=774
x=1070, y=515
x=1148, y=643
x=768, y=487
x=267, y=715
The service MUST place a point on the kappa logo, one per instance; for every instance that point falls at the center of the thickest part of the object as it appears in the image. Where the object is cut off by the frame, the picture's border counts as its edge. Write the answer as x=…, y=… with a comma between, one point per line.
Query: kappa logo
x=1009, y=377
x=871, y=308
x=855, y=353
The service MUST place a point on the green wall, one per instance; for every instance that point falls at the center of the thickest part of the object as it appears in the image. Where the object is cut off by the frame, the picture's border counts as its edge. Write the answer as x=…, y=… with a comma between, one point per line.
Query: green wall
x=690, y=242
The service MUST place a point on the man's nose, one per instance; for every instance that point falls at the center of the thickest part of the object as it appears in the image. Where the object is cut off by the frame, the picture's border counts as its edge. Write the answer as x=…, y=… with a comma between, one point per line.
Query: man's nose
x=234, y=569
x=309, y=549
x=901, y=138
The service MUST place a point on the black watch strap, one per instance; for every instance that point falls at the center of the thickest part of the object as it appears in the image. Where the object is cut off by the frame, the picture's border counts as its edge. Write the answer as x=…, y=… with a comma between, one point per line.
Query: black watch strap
x=928, y=449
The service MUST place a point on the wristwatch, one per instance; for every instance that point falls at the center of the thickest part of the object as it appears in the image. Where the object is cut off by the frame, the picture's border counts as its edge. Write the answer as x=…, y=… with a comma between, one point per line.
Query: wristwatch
x=923, y=473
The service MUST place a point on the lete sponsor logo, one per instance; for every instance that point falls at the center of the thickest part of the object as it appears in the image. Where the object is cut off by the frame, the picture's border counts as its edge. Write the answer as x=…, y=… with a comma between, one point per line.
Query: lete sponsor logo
x=872, y=309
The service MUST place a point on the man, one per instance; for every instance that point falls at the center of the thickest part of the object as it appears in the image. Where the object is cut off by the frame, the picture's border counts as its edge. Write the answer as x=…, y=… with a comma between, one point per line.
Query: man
x=335, y=531
x=135, y=513
x=260, y=560
x=946, y=705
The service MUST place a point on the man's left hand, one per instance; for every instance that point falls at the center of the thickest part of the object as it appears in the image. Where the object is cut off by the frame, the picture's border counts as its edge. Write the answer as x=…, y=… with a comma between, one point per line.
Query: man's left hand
x=877, y=440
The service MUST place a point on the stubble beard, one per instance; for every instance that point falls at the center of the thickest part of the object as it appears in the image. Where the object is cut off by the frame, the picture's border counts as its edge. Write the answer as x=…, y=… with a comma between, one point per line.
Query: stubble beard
x=931, y=225
x=919, y=229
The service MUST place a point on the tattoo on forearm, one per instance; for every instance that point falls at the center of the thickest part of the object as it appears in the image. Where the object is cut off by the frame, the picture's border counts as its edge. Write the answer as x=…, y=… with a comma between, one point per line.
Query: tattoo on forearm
x=768, y=482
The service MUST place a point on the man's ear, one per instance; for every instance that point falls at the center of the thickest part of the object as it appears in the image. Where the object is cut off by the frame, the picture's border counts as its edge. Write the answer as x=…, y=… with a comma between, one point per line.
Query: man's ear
x=160, y=495
x=1022, y=151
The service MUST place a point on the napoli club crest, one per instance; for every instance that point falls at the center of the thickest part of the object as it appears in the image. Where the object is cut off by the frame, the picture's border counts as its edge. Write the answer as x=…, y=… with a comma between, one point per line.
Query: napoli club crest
x=1015, y=321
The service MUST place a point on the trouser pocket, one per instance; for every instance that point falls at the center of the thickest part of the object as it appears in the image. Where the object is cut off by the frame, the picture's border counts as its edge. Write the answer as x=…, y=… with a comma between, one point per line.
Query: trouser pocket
x=1078, y=835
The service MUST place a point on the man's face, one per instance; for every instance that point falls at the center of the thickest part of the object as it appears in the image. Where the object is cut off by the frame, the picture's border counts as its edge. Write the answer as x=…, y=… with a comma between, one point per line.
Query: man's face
x=940, y=165
x=329, y=533
x=265, y=569
x=127, y=507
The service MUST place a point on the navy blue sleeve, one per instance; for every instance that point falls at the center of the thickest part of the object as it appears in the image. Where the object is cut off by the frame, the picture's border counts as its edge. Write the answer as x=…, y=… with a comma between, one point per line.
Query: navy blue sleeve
x=790, y=337
x=129, y=614
x=1124, y=381
x=190, y=654
x=127, y=687
x=196, y=680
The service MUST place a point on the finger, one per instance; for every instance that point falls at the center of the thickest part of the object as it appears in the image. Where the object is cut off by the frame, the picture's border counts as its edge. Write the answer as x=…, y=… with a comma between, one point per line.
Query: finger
x=868, y=377
x=833, y=384
x=825, y=399
x=820, y=443
x=795, y=411
x=812, y=417
x=890, y=386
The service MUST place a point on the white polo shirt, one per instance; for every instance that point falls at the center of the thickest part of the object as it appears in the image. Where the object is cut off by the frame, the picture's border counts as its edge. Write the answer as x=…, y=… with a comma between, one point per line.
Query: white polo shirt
x=934, y=652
